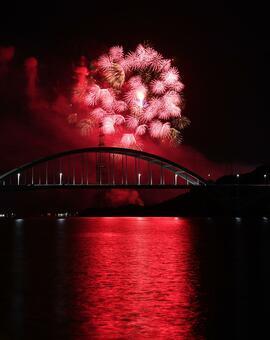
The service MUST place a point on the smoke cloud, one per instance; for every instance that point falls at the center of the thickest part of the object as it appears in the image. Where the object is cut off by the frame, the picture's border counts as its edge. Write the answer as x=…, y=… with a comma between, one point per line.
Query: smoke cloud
x=31, y=70
x=118, y=198
x=6, y=55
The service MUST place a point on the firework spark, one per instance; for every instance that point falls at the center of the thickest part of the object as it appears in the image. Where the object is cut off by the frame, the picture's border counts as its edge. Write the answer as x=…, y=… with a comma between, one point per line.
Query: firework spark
x=134, y=94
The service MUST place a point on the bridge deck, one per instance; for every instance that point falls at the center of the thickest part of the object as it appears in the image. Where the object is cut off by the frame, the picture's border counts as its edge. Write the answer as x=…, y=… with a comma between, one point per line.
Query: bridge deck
x=22, y=187
x=29, y=187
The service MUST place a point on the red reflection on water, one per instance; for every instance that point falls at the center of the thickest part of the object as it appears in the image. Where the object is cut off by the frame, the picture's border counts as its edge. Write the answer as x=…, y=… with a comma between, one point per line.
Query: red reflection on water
x=135, y=277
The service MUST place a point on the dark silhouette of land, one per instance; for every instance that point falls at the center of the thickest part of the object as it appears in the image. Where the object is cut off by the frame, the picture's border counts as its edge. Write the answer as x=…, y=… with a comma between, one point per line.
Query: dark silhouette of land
x=248, y=194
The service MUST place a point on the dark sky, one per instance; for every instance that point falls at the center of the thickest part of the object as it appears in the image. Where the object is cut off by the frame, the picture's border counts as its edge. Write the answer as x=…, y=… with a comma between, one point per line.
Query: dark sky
x=223, y=60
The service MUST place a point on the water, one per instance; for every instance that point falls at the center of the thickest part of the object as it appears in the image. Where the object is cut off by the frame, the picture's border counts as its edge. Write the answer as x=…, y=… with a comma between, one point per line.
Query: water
x=128, y=277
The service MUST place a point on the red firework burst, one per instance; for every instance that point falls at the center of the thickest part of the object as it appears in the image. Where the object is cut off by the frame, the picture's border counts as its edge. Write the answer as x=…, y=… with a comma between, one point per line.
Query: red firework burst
x=132, y=95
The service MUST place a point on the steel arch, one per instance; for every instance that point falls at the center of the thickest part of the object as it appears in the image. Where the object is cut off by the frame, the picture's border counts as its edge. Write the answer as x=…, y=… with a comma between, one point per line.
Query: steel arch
x=177, y=169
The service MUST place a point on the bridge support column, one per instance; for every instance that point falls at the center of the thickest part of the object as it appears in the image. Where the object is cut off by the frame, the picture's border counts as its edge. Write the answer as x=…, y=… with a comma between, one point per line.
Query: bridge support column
x=46, y=180
x=161, y=174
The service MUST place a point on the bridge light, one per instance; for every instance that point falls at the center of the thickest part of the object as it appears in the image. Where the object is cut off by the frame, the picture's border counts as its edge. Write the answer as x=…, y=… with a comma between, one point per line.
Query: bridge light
x=18, y=178
x=175, y=179
x=237, y=175
x=61, y=178
x=139, y=178
x=264, y=175
x=209, y=175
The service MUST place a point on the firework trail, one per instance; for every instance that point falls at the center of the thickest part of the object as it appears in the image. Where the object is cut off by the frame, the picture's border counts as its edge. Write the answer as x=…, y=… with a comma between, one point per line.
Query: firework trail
x=130, y=96
x=31, y=66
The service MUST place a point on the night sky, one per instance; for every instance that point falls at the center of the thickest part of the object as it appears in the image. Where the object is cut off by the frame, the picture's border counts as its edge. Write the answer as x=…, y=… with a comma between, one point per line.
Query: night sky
x=223, y=61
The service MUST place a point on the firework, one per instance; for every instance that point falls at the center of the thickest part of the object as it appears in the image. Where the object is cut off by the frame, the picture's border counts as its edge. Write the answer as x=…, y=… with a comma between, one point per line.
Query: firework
x=158, y=87
x=120, y=106
x=106, y=100
x=132, y=122
x=159, y=129
x=171, y=76
x=108, y=125
x=128, y=140
x=141, y=130
x=92, y=96
x=98, y=114
x=132, y=95
x=115, y=75
x=86, y=126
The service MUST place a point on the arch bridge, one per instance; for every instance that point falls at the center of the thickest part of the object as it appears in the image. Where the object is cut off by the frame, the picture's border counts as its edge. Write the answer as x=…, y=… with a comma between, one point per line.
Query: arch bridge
x=100, y=167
